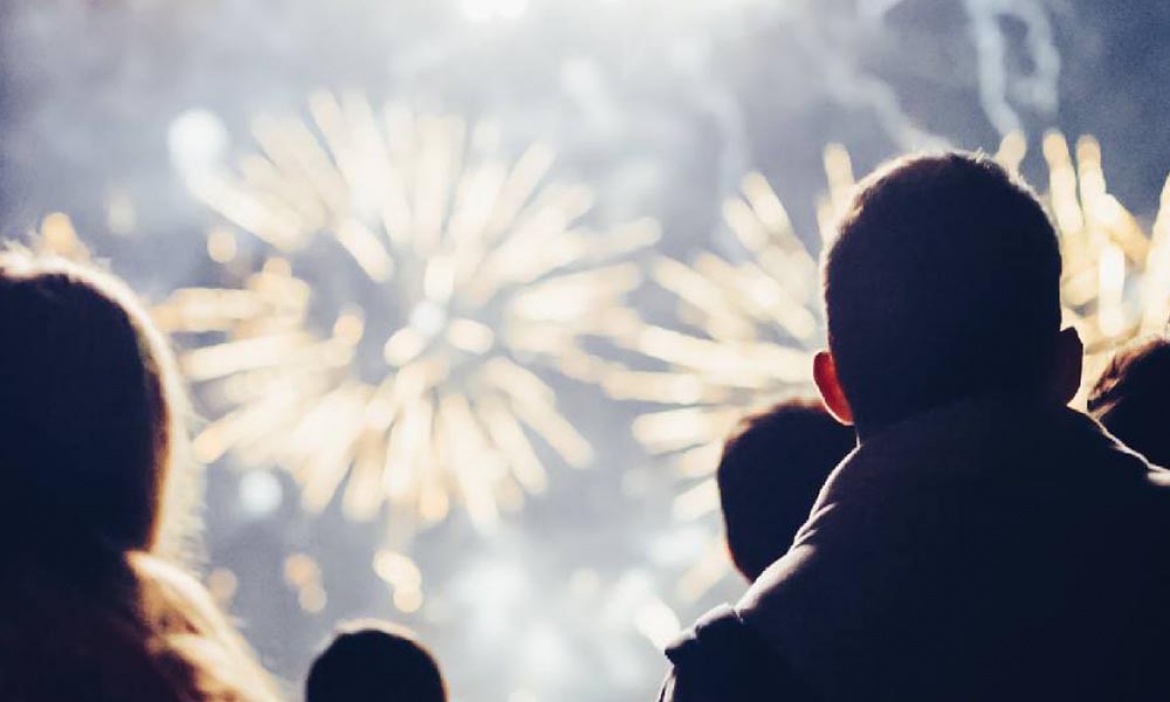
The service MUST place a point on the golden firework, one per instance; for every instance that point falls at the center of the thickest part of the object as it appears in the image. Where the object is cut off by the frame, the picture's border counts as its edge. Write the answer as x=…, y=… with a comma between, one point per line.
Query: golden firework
x=412, y=282
x=1116, y=283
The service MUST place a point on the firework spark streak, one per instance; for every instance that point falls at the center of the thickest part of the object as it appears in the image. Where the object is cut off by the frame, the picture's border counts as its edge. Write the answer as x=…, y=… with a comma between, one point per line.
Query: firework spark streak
x=411, y=283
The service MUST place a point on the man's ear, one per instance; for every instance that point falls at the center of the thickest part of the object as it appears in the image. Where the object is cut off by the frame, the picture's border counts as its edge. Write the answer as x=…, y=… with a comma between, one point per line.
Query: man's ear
x=825, y=375
x=1070, y=357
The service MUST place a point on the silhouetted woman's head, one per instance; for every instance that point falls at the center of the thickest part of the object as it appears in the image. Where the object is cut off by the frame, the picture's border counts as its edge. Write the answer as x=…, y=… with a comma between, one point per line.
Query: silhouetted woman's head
x=88, y=406
x=89, y=425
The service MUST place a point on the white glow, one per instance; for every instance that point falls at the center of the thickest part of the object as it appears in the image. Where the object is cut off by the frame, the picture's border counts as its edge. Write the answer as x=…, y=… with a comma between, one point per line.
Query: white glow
x=658, y=623
x=582, y=78
x=485, y=10
x=500, y=583
x=511, y=9
x=1111, y=301
x=428, y=318
x=545, y=652
x=260, y=493
x=679, y=546
x=496, y=593
x=197, y=140
x=477, y=10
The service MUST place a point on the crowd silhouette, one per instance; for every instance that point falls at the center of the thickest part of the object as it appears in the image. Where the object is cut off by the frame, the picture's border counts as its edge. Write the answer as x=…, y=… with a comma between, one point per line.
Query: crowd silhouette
x=938, y=525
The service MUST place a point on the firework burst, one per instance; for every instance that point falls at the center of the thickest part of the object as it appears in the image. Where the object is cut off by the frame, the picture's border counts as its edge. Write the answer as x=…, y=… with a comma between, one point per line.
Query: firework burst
x=411, y=280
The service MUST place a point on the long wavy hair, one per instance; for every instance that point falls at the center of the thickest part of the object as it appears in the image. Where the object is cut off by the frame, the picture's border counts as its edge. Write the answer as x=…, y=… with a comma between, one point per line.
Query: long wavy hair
x=96, y=502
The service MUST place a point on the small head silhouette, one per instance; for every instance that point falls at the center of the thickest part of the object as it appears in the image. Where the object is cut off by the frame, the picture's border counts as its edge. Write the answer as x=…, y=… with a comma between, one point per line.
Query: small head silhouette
x=88, y=407
x=770, y=475
x=373, y=661
x=943, y=284
x=1132, y=399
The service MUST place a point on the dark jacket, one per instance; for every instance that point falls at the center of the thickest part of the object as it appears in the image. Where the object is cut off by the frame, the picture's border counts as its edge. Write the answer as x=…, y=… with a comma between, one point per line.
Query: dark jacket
x=721, y=658
x=991, y=550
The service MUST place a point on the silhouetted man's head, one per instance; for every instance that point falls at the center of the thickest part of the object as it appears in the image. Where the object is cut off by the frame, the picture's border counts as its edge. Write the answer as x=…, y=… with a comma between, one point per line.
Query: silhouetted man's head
x=1132, y=399
x=770, y=475
x=375, y=663
x=943, y=284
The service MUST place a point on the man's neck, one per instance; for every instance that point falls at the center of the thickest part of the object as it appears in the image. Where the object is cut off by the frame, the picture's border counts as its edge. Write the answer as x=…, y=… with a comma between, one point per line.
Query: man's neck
x=867, y=431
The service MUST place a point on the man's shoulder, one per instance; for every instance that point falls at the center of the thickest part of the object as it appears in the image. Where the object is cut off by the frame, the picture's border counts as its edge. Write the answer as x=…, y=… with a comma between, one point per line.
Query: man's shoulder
x=1113, y=459
x=723, y=658
x=1154, y=484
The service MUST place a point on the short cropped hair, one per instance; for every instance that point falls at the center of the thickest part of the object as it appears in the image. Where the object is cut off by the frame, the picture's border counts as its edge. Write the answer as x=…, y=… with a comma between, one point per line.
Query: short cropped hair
x=372, y=661
x=943, y=283
x=1132, y=398
x=770, y=475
